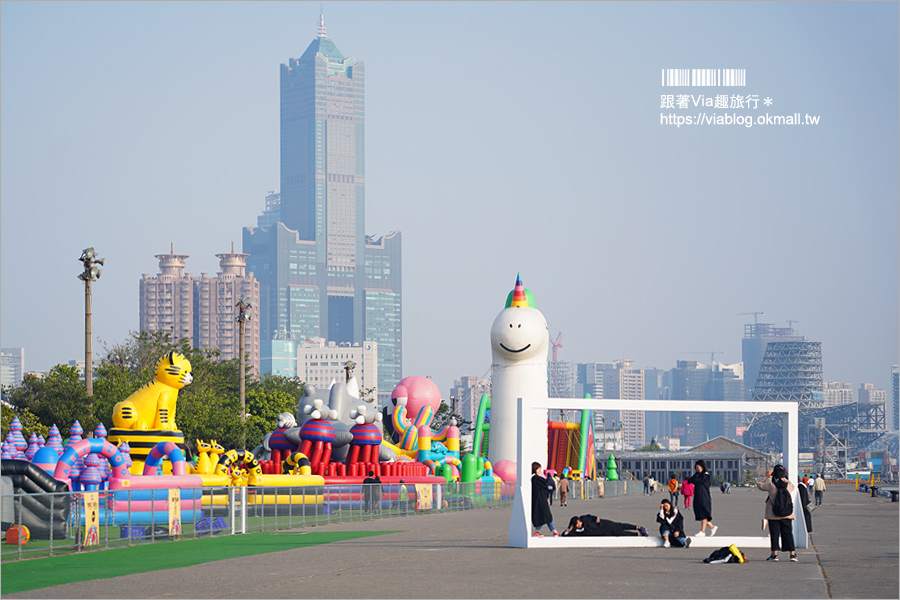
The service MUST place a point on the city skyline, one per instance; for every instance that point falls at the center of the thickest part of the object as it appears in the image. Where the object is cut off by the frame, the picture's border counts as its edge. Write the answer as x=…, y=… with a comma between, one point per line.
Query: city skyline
x=501, y=138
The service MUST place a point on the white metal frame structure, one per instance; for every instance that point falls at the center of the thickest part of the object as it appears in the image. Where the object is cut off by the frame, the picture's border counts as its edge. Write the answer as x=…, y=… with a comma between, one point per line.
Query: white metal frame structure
x=532, y=433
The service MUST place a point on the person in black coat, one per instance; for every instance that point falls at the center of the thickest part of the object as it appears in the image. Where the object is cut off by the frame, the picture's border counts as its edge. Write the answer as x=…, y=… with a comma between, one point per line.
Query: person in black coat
x=702, y=498
x=593, y=525
x=671, y=526
x=540, y=501
x=804, y=500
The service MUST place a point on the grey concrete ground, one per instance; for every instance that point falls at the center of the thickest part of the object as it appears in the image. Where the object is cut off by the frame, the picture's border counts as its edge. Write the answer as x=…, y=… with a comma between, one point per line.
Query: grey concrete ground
x=464, y=555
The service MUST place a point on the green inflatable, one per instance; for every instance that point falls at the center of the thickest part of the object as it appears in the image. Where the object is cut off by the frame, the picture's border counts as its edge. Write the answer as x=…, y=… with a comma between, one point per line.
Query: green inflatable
x=611, y=473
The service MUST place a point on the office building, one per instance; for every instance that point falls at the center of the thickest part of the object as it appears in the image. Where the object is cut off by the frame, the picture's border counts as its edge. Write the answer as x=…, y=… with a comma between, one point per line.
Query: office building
x=278, y=356
x=467, y=392
x=836, y=393
x=321, y=363
x=12, y=366
x=319, y=274
x=627, y=383
x=869, y=395
x=894, y=405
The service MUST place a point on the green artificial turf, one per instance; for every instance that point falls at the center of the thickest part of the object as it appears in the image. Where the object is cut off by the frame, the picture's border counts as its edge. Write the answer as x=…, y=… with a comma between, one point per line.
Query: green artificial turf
x=103, y=564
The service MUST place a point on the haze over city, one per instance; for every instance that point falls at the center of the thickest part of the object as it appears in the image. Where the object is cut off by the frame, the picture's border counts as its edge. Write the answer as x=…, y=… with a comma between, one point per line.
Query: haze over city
x=501, y=138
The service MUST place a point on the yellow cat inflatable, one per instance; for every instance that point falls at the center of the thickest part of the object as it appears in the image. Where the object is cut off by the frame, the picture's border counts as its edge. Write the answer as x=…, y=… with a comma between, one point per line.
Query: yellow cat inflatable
x=153, y=406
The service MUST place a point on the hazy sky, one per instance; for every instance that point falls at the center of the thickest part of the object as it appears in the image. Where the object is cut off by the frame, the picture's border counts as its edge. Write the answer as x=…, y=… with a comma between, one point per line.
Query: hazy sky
x=501, y=137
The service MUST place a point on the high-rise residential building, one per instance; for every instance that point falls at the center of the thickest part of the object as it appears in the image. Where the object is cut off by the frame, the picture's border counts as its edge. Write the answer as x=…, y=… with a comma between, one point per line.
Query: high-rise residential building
x=869, y=395
x=319, y=274
x=12, y=366
x=167, y=299
x=202, y=309
x=836, y=393
x=753, y=347
x=321, y=363
x=468, y=391
x=215, y=310
x=894, y=405
x=627, y=383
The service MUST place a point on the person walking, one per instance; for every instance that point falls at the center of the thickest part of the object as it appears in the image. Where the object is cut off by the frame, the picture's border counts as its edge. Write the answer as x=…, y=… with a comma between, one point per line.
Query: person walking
x=779, y=513
x=702, y=499
x=819, y=489
x=687, y=490
x=540, y=501
x=673, y=491
x=551, y=484
x=403, y=497
x=646, y=484
x=564, y=491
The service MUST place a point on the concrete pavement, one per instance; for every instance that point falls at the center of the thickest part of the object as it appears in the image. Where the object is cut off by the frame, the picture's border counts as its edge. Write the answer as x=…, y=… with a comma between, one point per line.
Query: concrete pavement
x=854, y=554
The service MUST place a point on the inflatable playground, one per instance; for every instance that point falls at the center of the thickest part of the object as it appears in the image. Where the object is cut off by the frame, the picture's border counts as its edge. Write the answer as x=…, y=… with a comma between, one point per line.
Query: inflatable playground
x=317, y=458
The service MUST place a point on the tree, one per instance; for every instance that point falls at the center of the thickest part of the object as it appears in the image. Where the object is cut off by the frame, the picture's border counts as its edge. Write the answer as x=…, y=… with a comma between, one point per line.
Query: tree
x=30, y=422
x=652, y=446
x=57, y=398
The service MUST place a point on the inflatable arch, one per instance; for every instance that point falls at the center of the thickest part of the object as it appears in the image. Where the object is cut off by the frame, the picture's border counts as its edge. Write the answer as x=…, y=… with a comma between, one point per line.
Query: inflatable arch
x=82, y=448
x=168, y=450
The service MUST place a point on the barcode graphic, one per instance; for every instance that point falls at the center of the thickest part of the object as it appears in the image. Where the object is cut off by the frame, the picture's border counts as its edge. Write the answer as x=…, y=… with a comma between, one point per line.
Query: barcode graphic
x=704, y=77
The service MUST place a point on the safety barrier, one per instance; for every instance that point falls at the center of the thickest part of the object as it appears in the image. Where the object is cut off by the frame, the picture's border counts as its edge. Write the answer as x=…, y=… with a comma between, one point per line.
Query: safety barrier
x=128, y=517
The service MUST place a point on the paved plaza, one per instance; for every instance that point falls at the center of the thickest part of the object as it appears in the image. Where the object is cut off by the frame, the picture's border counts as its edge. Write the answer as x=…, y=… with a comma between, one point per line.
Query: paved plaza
x=853, y=554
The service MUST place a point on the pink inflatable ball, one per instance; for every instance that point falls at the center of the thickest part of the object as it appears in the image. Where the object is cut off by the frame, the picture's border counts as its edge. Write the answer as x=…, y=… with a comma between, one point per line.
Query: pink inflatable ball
x=419, y=392
x=505, y=470
x=32, y=446
x=46, y=458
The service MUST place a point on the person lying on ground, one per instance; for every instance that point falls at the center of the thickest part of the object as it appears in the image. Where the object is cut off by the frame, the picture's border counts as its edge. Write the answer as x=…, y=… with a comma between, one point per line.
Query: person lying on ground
x=586, y=525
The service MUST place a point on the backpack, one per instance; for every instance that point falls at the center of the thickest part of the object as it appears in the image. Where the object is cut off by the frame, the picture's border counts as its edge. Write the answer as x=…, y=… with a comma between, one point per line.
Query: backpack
x=726, y=554
x=782, y=505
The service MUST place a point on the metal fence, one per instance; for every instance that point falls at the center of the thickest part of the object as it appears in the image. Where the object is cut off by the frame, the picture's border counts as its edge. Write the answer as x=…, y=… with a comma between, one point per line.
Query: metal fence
x=57, y=522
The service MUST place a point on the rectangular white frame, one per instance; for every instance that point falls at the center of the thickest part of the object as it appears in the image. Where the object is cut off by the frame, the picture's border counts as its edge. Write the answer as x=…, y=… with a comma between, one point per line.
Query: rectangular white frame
x=532, y=433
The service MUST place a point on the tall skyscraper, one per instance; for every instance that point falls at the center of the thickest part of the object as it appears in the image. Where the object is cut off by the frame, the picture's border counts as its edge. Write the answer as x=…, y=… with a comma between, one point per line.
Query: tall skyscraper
x=319, y=274
x=626, y=383
x=894, y=405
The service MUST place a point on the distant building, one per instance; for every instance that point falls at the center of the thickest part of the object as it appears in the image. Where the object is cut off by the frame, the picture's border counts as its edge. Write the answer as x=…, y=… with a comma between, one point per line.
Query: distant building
x=753, y=348
x=690, y=380
x=167, y=300
x=278, y=356
x=894, y=406
x=836, y=393
x=730, y=465
x=560, y=380
x=215, y=310
x=202, y=309
x=79, y=365
x=869, y=395
x=669, y=443
x=12, y=366
x=320, y=275
x=320, y=363
x=626, y=383
x=755, y=461
x=468, y=391
x=791, y=372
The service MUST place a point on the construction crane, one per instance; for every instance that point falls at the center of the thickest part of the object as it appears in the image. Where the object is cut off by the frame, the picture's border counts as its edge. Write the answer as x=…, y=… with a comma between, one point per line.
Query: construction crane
x=755, y=316
x=556, y=345
x=790, y=323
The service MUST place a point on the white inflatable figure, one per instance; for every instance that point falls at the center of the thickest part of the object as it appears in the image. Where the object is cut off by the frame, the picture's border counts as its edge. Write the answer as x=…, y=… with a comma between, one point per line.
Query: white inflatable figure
x=520, y=340
x=319, y=410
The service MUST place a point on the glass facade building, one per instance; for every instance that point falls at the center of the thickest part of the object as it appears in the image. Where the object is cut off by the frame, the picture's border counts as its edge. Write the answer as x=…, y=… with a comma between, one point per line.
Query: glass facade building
x=320, y=276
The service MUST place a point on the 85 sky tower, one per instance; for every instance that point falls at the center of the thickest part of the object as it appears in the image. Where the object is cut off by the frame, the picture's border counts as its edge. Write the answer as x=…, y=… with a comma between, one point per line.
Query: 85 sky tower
x=319, y=274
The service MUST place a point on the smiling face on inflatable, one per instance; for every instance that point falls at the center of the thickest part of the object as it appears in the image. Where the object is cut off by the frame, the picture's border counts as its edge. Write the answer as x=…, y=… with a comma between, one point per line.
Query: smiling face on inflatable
x=519, y=334
x=520, y=331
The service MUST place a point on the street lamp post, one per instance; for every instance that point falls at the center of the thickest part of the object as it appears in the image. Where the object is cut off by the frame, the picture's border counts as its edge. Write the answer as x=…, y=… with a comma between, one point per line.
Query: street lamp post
x=243, y=307
x=91, y=273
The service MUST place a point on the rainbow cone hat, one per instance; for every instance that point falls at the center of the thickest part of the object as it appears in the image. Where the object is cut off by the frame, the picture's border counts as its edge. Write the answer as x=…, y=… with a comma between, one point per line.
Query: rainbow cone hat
x=519, y=298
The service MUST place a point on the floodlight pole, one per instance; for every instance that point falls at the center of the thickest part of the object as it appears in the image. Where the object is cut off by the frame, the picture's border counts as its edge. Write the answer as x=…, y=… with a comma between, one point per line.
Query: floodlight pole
x=243, y=316
x=90, y=273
